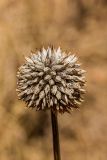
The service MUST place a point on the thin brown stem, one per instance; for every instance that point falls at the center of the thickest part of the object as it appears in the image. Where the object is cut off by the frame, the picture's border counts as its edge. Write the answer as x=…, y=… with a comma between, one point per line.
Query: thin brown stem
x=55, y=131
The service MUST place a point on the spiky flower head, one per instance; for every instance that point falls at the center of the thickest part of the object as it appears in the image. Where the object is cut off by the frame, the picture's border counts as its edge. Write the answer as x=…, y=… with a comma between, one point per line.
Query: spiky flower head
x=51, y=79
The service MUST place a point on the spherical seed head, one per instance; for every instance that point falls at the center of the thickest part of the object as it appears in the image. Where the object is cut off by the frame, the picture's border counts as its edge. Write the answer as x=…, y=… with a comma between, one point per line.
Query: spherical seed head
x=51, y=79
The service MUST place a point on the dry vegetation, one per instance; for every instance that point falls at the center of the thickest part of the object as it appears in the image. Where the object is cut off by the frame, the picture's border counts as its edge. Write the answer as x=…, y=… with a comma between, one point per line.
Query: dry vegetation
x=76, y=25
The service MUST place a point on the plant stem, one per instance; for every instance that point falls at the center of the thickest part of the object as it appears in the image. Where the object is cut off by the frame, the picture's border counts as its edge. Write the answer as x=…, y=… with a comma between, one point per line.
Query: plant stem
x=56, y=145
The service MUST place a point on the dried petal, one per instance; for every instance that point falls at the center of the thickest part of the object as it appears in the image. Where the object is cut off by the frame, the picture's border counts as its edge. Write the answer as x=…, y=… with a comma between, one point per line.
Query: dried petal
x=54, y=89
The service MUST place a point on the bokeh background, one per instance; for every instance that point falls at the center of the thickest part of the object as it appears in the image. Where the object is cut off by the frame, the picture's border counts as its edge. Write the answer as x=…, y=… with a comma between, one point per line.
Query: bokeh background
x=78, y=26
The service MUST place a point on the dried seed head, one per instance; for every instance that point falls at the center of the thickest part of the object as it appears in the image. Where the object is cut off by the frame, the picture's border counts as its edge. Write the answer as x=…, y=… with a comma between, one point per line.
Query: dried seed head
x=51, y=79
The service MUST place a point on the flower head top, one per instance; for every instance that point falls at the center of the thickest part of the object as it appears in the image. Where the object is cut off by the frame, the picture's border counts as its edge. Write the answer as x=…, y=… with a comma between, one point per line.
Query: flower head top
x=51, y=79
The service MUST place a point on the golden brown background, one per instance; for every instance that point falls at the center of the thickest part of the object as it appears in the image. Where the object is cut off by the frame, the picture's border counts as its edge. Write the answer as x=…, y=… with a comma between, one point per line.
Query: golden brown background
x=79, y=26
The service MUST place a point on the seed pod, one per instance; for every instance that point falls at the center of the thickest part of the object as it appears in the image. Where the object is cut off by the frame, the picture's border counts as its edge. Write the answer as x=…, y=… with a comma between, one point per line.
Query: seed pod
x=51, y=79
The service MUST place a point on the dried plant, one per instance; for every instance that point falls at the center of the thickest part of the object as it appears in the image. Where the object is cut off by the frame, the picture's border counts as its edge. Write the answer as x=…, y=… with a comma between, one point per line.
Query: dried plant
x=51, y=79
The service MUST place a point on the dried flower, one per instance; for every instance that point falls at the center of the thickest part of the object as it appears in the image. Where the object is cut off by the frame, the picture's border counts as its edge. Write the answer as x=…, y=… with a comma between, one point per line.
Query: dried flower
x=51, y=79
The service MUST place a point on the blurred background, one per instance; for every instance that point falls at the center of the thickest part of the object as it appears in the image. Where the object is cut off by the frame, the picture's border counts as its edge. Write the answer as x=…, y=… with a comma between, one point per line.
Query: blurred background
x=78, y=26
